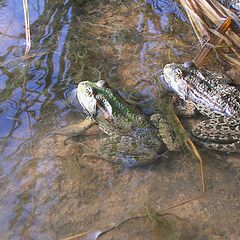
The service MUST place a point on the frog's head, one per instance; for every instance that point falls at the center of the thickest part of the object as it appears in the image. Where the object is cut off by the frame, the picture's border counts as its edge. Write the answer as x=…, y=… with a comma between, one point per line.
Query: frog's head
x=174, y=75
x=86, y=95
x=90, y=96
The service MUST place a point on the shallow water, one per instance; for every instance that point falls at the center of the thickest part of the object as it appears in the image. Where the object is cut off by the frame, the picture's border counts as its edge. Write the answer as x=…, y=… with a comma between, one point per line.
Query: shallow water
x=48, y=189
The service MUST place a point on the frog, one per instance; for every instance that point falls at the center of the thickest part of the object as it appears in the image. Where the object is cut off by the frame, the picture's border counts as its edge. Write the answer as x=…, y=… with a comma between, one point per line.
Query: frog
x=132, y=138
x=215, y=98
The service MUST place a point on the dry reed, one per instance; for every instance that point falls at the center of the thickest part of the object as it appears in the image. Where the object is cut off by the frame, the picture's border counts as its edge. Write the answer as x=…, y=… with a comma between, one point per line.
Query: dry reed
x=27, y=27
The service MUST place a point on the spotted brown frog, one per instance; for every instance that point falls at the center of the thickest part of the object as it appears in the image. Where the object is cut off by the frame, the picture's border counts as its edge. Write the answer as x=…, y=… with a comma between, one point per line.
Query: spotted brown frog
x=214, y=97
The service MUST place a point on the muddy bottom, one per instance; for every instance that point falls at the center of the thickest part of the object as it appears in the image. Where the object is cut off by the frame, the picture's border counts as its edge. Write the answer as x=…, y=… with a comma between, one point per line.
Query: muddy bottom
x=94, y=199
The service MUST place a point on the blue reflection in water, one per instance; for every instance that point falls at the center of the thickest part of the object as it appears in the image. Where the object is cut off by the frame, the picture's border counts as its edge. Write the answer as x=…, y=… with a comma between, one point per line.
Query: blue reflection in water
x=28, y=86
x=166, y=7
x=30, y=96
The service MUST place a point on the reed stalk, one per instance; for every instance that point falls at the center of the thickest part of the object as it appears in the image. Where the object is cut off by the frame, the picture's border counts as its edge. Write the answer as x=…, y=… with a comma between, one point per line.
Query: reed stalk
x=27, y=27
x=205, y=16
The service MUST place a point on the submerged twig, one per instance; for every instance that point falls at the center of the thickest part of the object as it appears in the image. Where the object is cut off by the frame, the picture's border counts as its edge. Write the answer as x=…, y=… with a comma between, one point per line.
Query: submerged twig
x=9, y=36
x=176, y=126
x=184, y=139
x=99, y=233
x=108, y=229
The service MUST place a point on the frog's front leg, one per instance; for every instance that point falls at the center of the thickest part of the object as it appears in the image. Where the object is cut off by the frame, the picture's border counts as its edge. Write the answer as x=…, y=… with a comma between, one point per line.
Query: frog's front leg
x=185, y=108
x=76, y=129
x=165, y=132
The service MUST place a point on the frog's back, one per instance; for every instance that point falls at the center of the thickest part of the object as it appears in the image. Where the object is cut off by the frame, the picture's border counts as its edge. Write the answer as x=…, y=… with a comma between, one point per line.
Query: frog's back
x=209, y=90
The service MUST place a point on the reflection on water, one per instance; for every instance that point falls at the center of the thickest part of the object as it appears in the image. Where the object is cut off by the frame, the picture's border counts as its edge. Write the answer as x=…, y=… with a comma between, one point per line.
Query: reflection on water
x=48, y=190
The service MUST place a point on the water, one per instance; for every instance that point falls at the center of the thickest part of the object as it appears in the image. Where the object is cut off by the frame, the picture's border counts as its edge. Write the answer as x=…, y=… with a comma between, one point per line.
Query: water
x=48, y=190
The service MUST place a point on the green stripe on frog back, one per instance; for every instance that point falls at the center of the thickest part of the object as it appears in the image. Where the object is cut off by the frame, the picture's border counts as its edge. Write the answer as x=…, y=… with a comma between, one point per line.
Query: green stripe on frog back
x=119, y=105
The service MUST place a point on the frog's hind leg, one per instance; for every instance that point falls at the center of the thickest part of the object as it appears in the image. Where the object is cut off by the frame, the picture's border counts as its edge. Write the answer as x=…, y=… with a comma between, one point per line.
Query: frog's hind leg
x=165, y=132
x=122, y=150
x=126, y=150
x=226, y=147
x=221, y=134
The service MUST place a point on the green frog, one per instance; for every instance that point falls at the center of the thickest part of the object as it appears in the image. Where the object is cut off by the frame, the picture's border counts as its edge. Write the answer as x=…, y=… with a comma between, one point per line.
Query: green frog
x=214, y=97
x=132, y=137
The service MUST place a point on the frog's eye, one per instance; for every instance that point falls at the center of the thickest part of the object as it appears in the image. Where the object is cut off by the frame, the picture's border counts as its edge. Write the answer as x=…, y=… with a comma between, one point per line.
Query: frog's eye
x=178, y=72
x=89, y=90
x=189, y=65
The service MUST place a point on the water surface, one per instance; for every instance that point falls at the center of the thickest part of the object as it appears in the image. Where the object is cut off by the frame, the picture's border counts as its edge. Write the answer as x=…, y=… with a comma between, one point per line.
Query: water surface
x=48, y=190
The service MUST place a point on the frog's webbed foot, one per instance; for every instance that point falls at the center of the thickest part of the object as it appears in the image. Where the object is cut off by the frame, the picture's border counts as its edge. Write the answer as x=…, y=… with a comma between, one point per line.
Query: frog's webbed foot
x=165, y=132
x=221, y=134
x=76, y=129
